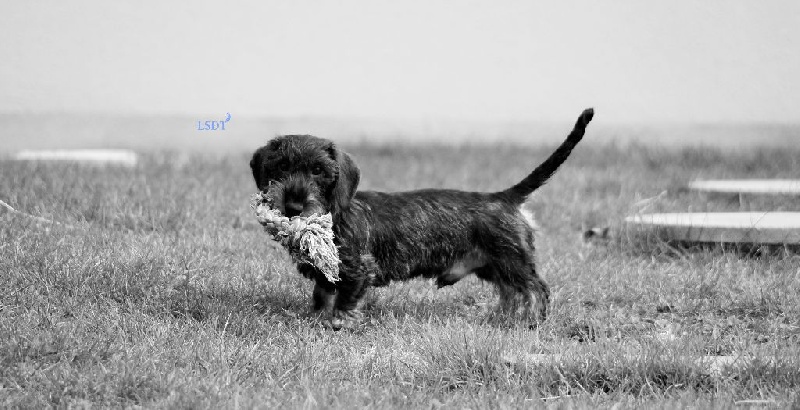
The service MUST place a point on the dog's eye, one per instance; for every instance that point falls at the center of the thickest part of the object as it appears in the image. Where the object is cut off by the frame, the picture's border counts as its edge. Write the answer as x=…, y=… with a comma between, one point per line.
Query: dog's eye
x=283, y=166
x=317, y=170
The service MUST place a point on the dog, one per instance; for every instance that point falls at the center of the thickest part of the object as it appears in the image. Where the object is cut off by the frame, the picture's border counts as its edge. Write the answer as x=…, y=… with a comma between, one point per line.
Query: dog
x=430, y=233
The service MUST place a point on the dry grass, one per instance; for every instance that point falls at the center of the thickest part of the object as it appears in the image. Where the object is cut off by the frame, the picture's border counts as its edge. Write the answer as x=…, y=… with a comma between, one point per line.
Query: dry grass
x=166, y=294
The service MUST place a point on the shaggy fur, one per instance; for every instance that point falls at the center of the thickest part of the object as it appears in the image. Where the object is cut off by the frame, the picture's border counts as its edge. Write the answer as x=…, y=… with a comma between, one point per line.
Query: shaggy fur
x=431, y=233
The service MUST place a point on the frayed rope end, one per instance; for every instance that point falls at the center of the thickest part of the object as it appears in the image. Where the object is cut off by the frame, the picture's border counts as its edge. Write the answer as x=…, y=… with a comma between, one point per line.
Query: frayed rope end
x=308, y=239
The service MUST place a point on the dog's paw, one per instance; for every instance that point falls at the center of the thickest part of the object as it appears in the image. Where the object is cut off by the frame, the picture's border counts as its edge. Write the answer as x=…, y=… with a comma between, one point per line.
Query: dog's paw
x=343, y=319
x=317, y=315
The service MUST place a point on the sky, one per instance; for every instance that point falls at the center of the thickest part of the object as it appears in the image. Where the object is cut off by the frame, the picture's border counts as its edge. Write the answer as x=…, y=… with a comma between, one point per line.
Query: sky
x=634, y=61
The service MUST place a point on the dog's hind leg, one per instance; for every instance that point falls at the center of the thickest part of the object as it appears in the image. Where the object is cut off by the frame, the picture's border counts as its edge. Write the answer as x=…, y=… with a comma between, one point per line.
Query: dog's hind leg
x=508, y=300
x=537, y=298
x=518, y=286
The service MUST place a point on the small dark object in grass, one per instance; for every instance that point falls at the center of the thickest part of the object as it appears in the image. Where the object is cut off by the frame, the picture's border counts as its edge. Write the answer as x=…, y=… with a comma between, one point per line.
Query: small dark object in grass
x=582, y=333
x=665, y=309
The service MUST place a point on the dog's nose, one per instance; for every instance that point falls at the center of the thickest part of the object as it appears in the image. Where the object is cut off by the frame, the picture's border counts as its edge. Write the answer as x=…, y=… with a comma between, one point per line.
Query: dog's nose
x=293, y=208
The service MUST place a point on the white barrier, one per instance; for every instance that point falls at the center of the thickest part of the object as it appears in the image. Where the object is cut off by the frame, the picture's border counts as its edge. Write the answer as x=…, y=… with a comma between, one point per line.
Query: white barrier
x=119, y=157
x=721, y=227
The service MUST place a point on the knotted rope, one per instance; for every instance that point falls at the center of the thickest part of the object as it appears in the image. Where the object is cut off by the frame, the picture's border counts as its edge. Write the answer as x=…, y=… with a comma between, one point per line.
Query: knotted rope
x=308, y=239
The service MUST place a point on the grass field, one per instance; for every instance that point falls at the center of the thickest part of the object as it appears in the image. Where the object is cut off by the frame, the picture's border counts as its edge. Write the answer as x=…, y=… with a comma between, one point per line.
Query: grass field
x=163, y=293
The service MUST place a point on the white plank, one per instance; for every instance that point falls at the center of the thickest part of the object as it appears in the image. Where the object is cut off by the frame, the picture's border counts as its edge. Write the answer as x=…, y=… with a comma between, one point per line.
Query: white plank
x=748, y=186
x=120, y=157
x=732, y=227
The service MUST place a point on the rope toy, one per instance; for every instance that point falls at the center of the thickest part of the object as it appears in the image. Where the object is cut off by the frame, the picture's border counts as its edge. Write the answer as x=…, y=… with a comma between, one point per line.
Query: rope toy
x=308, y=239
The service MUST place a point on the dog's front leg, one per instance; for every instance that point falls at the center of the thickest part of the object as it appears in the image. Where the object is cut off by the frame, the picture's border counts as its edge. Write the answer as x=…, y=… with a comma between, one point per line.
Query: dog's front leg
x=356, y=276
x=345, y=309
x=324, y=291
x=323, y=297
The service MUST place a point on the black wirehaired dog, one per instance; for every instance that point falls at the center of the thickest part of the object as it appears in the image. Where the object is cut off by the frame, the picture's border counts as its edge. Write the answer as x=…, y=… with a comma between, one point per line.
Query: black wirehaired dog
x=433, y=233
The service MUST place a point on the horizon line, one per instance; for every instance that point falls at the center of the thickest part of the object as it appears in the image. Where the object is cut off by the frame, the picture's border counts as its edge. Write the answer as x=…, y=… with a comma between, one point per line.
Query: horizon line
x=396, y=120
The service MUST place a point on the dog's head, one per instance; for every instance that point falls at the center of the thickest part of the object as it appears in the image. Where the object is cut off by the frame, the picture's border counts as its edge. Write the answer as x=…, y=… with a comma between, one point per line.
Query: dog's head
x=313, y=175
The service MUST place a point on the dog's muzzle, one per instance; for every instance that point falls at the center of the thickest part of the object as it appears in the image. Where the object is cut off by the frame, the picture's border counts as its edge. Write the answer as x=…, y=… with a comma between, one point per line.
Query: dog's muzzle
x=293, y=208
x=300, y=199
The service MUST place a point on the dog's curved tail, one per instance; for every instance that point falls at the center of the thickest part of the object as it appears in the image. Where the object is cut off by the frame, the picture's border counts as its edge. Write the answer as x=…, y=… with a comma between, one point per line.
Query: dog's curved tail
x=546, y=169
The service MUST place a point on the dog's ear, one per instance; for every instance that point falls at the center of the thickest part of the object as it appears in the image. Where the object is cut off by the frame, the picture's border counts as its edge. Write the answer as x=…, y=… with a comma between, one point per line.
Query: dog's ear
x=348, y=176
x=255, y=167
x=260, y=174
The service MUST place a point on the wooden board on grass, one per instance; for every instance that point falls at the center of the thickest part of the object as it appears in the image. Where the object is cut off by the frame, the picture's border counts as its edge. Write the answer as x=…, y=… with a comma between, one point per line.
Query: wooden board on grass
x=121, y=157
x=748, y=186
x=724, y=227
